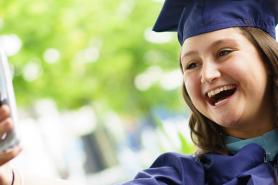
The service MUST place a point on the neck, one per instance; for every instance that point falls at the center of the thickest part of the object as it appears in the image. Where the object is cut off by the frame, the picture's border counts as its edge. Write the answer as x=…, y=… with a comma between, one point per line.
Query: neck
x=246, y=133
x=253, y=128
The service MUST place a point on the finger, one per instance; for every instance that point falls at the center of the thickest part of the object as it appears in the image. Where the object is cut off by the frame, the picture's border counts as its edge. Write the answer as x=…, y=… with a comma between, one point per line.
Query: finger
x=6, y=126
x=9, y=154
x=4, y=112
x=3, y=101
x=6, y=174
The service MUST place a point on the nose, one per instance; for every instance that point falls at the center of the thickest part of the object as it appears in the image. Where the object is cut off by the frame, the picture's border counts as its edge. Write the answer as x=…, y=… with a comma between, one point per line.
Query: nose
x=210, y=72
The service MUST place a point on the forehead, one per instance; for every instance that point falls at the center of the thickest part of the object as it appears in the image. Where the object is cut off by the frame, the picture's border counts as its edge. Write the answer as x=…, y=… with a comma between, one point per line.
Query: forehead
x=205, y=40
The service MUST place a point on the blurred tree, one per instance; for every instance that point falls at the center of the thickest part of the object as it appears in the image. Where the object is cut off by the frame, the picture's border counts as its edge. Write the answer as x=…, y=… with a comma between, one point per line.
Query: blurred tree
x=81, y=52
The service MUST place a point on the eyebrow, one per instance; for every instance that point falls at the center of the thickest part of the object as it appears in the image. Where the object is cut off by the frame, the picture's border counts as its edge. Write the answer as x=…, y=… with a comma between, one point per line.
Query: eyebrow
x=222, y=41
x=214, y=44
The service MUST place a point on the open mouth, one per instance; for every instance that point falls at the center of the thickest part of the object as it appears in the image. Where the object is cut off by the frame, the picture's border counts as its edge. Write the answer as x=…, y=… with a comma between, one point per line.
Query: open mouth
x=220, y=94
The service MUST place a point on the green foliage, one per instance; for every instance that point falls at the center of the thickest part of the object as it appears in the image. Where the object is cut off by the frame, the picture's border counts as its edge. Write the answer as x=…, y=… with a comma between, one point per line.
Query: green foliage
x=101, y=49
x=184, y=146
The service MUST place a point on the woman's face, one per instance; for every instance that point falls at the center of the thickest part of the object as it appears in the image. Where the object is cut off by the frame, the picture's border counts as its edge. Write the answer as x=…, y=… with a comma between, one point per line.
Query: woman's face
x=226, y=80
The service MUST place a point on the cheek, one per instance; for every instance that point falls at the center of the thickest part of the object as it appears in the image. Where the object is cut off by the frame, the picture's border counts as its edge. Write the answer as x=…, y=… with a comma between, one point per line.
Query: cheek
x=193, y=89
x=247, y=72
x=236, y=64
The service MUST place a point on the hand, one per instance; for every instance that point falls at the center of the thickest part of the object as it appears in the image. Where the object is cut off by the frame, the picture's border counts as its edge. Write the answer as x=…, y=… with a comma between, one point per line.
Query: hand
x=6, y=125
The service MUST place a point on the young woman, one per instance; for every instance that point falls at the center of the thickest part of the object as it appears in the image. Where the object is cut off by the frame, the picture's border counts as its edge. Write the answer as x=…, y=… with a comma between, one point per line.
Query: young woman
x=229, y=61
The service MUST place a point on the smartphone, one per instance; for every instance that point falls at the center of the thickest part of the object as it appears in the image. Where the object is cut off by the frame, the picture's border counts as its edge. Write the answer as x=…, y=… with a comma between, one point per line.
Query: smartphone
x=10, y=139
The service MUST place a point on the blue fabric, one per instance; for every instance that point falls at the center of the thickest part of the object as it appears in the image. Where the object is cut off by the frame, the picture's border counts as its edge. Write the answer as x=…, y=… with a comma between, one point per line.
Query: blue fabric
x=268, y=142
x=193, y=17
x=246, y=167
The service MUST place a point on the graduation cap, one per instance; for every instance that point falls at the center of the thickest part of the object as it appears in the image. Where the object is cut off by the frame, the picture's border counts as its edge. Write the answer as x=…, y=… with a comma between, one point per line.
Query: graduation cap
x=194, y=17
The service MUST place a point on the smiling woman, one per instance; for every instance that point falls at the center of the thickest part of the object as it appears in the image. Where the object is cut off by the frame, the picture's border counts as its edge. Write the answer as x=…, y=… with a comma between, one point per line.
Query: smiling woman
x=229, y=62
x=231, y=89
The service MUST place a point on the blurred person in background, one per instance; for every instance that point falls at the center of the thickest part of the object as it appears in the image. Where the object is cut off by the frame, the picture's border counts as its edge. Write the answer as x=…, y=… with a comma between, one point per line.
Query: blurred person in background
x=229, y=62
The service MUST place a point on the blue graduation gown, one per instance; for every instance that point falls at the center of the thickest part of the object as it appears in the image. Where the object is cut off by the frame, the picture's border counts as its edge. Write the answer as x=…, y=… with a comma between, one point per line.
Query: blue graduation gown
x=247, y=167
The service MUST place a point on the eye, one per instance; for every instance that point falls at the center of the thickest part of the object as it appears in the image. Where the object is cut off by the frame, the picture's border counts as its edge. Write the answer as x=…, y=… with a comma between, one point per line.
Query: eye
x=191, y=65
x=224, y=52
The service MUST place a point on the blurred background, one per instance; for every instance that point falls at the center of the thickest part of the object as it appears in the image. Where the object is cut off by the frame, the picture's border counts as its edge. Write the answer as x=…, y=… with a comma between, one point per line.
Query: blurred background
x=98, y=93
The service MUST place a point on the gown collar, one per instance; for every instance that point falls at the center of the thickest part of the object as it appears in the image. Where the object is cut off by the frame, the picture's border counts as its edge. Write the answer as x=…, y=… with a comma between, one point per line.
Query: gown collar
x=268, y=141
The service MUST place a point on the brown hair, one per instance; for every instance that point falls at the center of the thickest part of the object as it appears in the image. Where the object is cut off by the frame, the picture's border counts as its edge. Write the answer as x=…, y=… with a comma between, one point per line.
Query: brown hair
x=207, y=135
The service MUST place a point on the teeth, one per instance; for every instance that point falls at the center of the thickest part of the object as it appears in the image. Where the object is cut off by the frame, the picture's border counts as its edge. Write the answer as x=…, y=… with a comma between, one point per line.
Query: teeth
x=220, y=89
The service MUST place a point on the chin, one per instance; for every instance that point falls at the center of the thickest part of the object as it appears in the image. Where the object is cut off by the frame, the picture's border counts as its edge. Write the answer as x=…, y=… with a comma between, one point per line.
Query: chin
x=228, y=122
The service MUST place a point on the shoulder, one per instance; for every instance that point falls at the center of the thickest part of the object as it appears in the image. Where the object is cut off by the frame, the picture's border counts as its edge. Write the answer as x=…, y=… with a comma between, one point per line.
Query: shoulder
x=171, y=168
x=176, y=160
x=188, y=166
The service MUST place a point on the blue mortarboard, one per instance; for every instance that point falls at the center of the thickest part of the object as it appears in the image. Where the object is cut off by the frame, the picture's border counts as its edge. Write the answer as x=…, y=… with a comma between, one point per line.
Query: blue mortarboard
x=194, y=17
